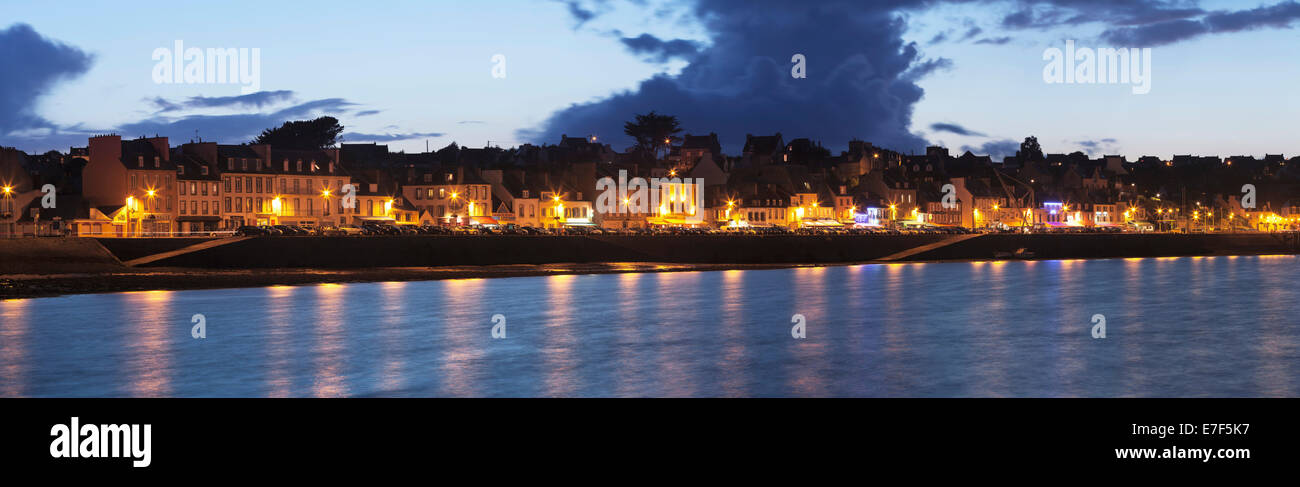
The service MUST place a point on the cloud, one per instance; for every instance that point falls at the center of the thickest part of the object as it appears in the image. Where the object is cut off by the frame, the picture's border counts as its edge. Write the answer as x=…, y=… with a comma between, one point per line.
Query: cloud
x=1092, y=147
x=955, y=129
x=360, y=137
x=1149, y=23
x=34, y=64
x=997, y=149
x=580, y=15
x=257, y=100
x=862, y=86
x=1277, y=16
x=235, y=128
x=995, y=41
x=660, y=50
x=366, y=113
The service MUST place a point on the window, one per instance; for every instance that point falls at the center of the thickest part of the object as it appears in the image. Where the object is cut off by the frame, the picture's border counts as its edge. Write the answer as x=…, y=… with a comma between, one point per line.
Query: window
x=227, y=180
x=157, y=161
x=230, y=164
x=239, y=185
x=180, y=170
x=228, y=210
x=259, y=185
x=428, y=178
x=239, y=205
x=243, y=164
x=182, y=207
x=139, y=161
x=299, y=165
x=203, y=170
x=214, y=189
x=194, y=207
x=203, y=187
x=182, y=189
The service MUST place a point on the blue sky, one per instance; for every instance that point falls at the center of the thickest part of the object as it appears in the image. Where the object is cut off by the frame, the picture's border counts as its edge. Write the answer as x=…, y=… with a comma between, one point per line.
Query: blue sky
x=425, y=68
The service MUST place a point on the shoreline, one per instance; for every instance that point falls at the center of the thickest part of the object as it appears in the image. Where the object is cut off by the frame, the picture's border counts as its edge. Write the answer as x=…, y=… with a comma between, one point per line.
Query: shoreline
x=32, y=286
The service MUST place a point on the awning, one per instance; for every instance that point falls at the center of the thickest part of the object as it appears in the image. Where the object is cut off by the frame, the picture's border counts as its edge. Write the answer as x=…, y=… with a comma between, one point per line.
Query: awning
x=483, y=220
x=198, y=218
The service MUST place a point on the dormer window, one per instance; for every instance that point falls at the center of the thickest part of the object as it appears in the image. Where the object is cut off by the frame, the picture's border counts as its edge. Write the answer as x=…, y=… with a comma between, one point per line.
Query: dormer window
x=299, y=165
x=450, y=176
x=203, y=170
x=243, y=164
x=331, y=168
x=230, y=164
x=180, y=170
x=157, y=161
x=525, y=195
x=139, y=161
x=428, y=178
x=286, y=165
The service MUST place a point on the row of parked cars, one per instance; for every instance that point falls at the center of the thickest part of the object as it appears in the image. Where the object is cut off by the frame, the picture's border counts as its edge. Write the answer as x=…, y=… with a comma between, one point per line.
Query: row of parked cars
x=390, y=229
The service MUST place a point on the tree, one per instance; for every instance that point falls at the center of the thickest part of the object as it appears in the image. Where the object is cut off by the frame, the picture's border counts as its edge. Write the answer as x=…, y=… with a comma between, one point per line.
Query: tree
x=1029, y=150
x=653, y=132
x=320, y=133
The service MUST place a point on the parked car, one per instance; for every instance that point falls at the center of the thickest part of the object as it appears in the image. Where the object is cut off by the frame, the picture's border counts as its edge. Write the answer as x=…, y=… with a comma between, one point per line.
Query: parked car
x=350, y=230
x=250, y=231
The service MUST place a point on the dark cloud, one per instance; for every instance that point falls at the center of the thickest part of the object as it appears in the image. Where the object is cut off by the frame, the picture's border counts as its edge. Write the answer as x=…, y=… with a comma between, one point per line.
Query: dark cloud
x=1277, y=16
x=1042, y=14
x=367, y=113
x=659, y=50
x=251, y=100
x=33, y=64
x=164, y=105
x=955, y=129
x=234, y=128
x=857, y=86
x=351, y=137
x=579, y=14
x=1091, y=147
x=1149, y=23
x=997, y=149
x=995, y=41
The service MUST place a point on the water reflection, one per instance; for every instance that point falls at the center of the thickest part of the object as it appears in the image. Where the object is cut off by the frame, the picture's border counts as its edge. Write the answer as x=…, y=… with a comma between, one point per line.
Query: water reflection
x=149, y=361
x=13, y=346
x=1175, y=327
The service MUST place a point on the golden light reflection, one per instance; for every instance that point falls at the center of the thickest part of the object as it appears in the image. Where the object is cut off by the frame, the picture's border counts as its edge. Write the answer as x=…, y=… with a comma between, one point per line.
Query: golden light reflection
x=330, y=345
x=279, y=340
x=560, y=381
x=732, y=361
x=464, y=319
x=392, y=308
x=149, y=364
x=13, y=347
